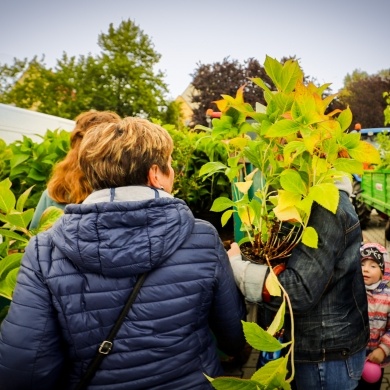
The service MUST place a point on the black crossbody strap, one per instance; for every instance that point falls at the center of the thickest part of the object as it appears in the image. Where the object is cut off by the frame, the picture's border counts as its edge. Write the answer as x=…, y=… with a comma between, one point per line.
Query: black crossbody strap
x=106, y=346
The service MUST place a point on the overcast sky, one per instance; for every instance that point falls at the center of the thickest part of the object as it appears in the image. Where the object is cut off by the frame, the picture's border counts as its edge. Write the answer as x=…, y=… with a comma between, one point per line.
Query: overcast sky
x=330, y=38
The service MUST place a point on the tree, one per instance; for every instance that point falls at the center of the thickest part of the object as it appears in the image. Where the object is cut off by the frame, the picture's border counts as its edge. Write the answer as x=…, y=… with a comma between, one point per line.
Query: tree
x=364, y=96
x=224, y=78
x=357, y=75
x=121, y=78
x=211, y=81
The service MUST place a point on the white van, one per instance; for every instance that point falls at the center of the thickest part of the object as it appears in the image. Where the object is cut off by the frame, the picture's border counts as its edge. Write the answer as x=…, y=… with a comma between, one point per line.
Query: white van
x=16, y=122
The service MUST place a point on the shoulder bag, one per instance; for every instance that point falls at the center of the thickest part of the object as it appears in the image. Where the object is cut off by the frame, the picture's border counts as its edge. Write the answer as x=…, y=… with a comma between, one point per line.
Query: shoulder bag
x=106, y=345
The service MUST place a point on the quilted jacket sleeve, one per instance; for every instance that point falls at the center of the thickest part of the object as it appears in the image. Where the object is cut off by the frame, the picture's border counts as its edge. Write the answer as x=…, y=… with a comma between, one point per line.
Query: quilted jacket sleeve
x=228, y=309
x=30, y=344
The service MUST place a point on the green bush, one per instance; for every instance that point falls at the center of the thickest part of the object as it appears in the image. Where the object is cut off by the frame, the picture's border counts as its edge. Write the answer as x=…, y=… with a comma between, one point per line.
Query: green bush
x=29, y=164
x=15, y=235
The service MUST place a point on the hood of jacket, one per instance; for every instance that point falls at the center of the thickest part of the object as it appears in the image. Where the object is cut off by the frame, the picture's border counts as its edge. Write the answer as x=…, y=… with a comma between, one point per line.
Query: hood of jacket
x=123, y=231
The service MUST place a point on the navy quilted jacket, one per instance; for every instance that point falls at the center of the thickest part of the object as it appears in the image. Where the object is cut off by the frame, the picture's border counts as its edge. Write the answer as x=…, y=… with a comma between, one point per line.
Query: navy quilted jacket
x=76, y=277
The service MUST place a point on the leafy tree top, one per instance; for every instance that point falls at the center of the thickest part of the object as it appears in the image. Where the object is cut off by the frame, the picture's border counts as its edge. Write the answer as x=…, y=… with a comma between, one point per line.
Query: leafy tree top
x=122, y=78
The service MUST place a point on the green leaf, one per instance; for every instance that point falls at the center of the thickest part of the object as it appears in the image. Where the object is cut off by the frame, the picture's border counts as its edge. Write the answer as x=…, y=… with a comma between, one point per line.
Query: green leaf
x=283, y=101
x=278, y=321
x=348, y=165
x=36, y=176
x=211, y=168
x=283, y=128
x=5, y=184
x=310, y=237
x=260, y=339
x=231, y=383
x=7, y=285
x=350, y=140
x=292, y=181
x=18, y=159
x=290, y=75
x=226, y=216
x=13, y=235
x=17, y=219
x=49, y=217
x=22, y=199
x=365, y=152
x=273, y=374
x=319, y=165
x=221, y=204
x=7, y=200
x=327, y=195
x=9, y=263
x=345, y=119
x=274, y=69
x=292, y=150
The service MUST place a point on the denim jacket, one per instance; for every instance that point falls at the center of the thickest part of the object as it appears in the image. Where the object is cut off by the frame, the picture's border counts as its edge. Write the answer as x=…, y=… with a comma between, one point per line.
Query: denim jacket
x=326, y=288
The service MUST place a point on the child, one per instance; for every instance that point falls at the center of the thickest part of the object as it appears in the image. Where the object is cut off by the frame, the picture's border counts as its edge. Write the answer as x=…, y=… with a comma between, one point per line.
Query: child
x=376, y=268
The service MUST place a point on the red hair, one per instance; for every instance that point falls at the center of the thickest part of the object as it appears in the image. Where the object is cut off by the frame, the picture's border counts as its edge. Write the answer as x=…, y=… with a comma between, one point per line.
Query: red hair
x=67, y=183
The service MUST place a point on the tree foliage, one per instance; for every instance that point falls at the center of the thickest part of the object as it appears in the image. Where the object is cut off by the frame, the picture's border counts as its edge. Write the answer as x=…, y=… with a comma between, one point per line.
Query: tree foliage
x=121, y=78
x=211, y=81
x=364, y=95
x=224, y=78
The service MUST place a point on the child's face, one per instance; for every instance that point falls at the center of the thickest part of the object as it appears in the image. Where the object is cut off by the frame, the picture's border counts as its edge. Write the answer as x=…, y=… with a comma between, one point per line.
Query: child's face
x=371, y=272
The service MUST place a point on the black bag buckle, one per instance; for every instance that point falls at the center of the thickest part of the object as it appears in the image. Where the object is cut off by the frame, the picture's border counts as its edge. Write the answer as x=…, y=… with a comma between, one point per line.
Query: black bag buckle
x=105, y=347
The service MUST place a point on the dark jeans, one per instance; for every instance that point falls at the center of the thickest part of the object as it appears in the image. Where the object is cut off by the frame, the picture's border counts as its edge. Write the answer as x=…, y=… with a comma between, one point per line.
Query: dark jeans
x=330, y=375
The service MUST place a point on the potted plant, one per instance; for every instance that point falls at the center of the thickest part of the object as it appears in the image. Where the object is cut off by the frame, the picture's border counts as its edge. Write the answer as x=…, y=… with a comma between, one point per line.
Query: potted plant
x=282, y=157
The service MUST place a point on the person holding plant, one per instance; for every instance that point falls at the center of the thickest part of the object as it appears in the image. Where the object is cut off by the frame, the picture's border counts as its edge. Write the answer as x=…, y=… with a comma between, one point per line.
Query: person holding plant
x=76, y=277
x=326, y=289
x=376, y=272
x=67, y=183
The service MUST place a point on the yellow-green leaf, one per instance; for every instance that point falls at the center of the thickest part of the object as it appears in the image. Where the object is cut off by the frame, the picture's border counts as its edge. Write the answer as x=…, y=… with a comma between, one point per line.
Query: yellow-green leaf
x=22, y=199
x=17, y=219
x=7, y=200
x=292, y=182
x=230, y=383
x=310, y=140
x=244, y=187
x=246, y=214
x=222, y=203
x=260, y=339
x=365, y=152
x=9, y=263
x=272, y=285
x=310, y=237
x=287, y=198
x=226, y=216
x=327, y=195
x=278, y=321
x=348, y=165
x=272, y=374
x=320, y=165
x=283, y=128
x=13, y=235
x=345, y=119
x=49, y=216
x=292, y=150
x=287, y=214
x=305, y=205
